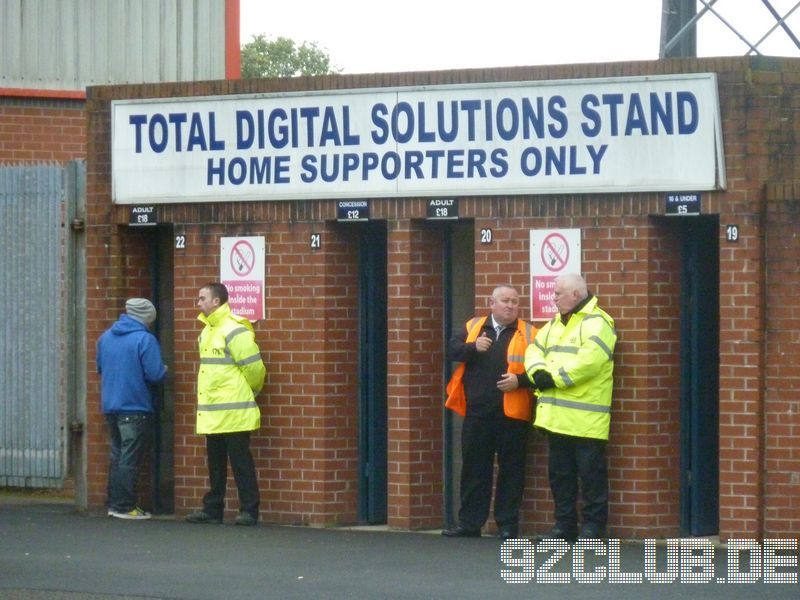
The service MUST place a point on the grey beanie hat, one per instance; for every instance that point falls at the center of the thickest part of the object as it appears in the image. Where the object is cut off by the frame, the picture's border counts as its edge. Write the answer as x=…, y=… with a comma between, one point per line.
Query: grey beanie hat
x=141, y=309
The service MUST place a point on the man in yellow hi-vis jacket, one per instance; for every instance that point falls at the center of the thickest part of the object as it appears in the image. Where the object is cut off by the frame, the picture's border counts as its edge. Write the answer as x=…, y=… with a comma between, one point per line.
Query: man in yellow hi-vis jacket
x=231, y=374
x=571, y=364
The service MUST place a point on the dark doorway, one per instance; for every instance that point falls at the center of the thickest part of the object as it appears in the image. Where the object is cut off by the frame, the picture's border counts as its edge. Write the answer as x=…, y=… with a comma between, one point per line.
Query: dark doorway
x=160, y=243
x=459, y=294
x=372, y=368
x=699, y=388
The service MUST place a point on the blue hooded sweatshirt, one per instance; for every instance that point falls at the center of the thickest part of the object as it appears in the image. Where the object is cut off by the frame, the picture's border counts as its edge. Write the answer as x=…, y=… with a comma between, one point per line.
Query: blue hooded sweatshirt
x=129, y=361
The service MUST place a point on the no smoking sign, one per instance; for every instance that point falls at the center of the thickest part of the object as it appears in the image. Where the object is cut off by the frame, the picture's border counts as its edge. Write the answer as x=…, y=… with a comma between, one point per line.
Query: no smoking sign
x=242, y=270
x=553, y=252
x=242, y=258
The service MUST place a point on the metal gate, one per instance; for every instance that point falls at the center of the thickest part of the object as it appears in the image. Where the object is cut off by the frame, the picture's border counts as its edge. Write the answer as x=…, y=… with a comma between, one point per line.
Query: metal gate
x=38, y=353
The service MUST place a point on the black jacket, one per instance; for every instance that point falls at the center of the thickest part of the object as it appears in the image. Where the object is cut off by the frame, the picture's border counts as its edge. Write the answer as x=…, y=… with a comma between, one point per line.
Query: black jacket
x=483, y=369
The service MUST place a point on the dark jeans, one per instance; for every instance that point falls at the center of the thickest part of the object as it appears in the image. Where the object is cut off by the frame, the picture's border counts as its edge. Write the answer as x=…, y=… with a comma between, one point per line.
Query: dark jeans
x=234, y=446
x=481, y=439
x=572, y=459
x=129, y=434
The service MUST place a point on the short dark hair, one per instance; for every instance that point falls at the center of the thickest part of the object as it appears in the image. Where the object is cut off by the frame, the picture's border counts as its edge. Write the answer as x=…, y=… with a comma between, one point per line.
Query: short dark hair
x=218, y=290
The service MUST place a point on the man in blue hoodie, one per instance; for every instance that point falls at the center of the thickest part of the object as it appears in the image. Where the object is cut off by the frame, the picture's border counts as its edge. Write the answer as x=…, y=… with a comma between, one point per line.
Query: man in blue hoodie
x=129, y=363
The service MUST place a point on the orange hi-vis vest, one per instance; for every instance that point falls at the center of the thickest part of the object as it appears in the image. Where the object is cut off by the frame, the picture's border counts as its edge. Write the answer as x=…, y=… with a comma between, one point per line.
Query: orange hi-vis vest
x=516, y=403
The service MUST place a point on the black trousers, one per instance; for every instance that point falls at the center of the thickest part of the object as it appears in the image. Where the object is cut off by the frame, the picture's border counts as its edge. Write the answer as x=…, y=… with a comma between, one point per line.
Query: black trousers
x=572, y=459
x=481, y=439
x=234, y=446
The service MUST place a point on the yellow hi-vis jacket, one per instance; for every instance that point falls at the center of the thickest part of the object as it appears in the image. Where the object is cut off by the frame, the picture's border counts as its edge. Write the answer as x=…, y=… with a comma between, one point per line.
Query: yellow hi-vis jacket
x=231, y=374
x=516, y=403
x=580, y=358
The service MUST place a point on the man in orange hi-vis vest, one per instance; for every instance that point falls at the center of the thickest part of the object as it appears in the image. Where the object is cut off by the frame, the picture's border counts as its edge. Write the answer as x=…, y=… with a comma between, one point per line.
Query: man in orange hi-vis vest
x=490, y=389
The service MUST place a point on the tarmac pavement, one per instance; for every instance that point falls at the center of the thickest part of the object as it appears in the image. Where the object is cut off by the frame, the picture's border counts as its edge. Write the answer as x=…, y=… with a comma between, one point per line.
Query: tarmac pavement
x=49, y=550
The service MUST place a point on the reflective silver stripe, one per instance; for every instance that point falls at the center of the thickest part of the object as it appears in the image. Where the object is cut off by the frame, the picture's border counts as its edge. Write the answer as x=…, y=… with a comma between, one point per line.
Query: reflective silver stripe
x=564, y=349
x=602, y=344
x=520, y=358
x=538, y=345
x=227, y=406
x=249, y=360
x=574, y=404
x=216, y=361
x=234, y=332
x=565, y=377
x=593, y=316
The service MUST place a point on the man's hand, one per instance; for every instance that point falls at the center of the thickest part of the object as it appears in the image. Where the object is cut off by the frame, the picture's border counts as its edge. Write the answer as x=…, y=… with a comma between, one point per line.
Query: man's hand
x=507, y=382
x=483, y=343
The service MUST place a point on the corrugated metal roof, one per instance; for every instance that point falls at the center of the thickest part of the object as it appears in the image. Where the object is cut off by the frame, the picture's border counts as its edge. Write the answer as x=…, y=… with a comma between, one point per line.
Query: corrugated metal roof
x=72, y=44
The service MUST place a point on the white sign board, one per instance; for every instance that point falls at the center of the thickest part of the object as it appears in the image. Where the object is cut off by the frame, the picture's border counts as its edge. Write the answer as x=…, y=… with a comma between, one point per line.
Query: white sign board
x=242, y=270
x=553, y=252
x=656, y=133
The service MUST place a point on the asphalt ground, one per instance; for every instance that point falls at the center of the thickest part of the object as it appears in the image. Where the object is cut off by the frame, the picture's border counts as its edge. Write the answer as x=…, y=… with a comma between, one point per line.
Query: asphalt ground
x=51, y=551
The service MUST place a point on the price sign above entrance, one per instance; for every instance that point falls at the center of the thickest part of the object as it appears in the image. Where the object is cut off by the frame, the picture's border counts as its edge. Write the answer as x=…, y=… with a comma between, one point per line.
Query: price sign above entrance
x=143, y=215
x=553, y=252
x=352, y=210
x=446, y=208
x=242, y=270
x=682, y=204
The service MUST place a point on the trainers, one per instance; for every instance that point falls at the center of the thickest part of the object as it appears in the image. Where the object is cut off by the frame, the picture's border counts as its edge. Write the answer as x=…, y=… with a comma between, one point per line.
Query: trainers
x=135, y=514
x=245, y=519
x=200, y=516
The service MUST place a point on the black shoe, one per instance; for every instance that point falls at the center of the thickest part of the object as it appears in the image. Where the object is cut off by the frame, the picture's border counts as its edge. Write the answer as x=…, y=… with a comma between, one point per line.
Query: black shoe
x=509, y=533
x=200, y=516
x=592, y=532
x=461, y=532
x=245, y=519
x=567, y=534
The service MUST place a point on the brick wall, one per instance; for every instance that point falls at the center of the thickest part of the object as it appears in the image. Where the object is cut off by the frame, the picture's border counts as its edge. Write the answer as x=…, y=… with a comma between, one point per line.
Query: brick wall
x=636, y=277
x=306, y=450
x=782, y=372
x=415, y=390
x=36, y=130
